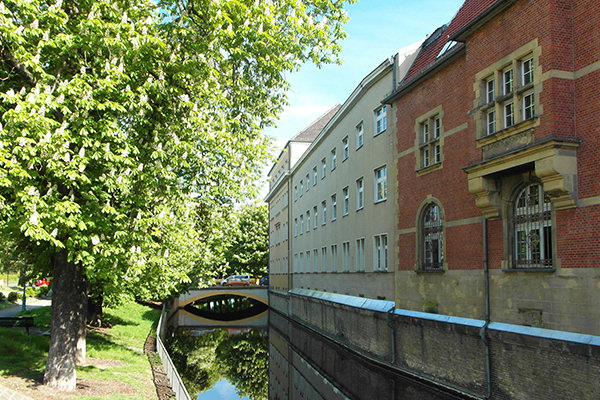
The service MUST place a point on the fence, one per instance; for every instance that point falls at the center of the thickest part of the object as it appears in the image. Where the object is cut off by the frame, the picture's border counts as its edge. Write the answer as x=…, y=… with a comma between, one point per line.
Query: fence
x=176, y=382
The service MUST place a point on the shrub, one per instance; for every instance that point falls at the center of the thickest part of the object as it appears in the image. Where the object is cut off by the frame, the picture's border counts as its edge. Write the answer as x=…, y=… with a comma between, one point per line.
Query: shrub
x=13, y=297
x=31, y=292
x=2, y=297
x=43, y=291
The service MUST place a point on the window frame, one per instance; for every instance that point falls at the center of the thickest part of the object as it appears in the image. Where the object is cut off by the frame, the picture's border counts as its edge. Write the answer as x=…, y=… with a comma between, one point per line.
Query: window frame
x=333, y=207
x=380, y=120
x=333, y=158
x=377, y=181
x=380, y=252
x=345, y=148
x=346, y=201
x=360, y=193
x=360, y=135
x=431, y=238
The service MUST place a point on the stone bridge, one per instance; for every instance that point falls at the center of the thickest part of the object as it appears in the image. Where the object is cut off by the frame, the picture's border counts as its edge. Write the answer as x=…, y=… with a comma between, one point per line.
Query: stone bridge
x=185, y=318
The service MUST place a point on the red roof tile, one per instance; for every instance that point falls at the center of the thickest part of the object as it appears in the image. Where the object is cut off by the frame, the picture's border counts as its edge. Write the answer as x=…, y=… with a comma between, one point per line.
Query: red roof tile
x=432, y=46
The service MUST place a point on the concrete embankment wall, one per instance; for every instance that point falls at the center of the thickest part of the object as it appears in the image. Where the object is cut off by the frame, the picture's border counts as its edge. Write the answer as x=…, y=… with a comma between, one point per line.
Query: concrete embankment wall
x=523, y=362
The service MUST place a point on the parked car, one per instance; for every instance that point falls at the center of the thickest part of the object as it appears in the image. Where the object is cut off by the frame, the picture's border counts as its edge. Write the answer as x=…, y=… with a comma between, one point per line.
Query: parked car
x=236, y=281
x=241, y=277
x=42, y=282
x=264, y=281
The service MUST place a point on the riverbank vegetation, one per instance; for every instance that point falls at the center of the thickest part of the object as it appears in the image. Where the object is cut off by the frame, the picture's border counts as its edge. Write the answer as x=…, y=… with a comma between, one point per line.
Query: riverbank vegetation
x=116, y=366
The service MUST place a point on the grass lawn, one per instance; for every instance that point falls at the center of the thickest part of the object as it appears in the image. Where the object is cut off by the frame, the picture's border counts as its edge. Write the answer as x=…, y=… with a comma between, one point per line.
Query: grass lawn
x=116, y=367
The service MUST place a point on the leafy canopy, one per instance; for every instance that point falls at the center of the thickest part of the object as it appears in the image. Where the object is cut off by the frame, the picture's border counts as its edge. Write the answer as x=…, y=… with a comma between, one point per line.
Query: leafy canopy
x=122, y=121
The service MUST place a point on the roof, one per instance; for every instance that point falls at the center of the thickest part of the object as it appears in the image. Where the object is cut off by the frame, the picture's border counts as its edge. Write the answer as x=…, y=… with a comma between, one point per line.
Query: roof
x=309, y=133
x=431, y=50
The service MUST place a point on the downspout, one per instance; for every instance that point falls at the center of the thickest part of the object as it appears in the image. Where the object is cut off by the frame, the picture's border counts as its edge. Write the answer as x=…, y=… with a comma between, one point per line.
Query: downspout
x=390, y=323
x=486, y=283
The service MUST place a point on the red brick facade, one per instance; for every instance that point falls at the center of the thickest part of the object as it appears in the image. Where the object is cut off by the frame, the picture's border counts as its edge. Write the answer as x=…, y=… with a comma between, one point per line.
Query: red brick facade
x=564, y=38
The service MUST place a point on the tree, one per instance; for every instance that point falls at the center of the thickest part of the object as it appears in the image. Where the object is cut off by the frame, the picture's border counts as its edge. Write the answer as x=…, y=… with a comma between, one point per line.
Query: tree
x=247, y=251
x=121, y=120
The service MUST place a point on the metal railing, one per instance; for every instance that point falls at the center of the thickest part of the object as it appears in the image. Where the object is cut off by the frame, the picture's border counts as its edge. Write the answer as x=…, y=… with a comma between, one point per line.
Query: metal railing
x=177, y=385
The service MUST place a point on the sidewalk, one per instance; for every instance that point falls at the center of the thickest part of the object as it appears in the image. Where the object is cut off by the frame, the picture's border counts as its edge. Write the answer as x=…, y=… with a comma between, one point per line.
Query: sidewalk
x=30, y=304
x=7, y=394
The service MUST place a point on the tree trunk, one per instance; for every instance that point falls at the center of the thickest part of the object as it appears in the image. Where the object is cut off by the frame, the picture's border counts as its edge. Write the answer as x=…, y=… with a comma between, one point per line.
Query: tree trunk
x=69, y=303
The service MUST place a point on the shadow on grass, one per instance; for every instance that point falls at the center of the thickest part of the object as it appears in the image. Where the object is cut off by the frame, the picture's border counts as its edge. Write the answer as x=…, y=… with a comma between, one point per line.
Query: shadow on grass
x=116, y=320
x=22, y=354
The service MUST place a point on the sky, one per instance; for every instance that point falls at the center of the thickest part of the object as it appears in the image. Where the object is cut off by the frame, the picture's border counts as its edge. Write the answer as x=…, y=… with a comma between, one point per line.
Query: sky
x=377, y=29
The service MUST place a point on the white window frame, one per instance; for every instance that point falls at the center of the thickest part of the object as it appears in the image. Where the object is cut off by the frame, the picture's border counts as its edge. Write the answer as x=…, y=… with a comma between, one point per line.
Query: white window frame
x=333, y=158
x=334, y=259
x=360, y=193
x=360, y=135
x=315, y=176
x=345, y=148
x=508, y=80
x=315, y=217
x=307, y=221
x=380, y=120
x=333, y=207
x=324, y=259
x=307, y=182
x=360, y=254
x=346, y=203
x=301, y=224
x=323, y=168
x=324, y=212
x=380, y=252
x=380, y=184
x=345, y=256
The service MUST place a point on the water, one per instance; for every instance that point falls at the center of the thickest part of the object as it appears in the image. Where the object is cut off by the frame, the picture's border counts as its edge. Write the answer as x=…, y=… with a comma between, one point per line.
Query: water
x=280, y=360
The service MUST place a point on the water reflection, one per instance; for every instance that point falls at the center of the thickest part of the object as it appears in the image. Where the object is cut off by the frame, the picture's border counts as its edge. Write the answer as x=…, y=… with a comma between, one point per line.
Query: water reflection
x=226, y=307
x=305, y=365
x=204, y=357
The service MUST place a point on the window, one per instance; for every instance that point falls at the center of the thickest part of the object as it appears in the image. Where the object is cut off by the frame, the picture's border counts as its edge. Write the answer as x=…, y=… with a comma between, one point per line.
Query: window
x=315, y=219
x=432, y=234
x=308, y=265
x=528, y=110
x=307, y=183
x=301, y=187
x=323, y=168
x=507, y=81
x=307, y=221
x=314, y=176
x=301, y=224
x=380, y=120
x=360, y=194
x=380, y=252
x=296, y=263
x=301, y=266
x=345, y=256
x=333, y=159
x=360, y=136
x=527, y=71
x=323, y=259
x=345, y=148
x=509, y=114
x=333, y=207
x=513, y=79
x=491, y=122
x=532, y=221
x=334, y=258
x=429, y=145
x=346, y=205
x=380, y=184
x=295, y=193
x=295, y=227
x=315, y=260
x=360, y=254
x=490, y=89
x=323, y=213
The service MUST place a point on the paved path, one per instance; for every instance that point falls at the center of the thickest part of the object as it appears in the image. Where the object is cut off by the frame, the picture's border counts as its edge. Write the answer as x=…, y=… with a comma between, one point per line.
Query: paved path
x=7, y=394
x=30, y=304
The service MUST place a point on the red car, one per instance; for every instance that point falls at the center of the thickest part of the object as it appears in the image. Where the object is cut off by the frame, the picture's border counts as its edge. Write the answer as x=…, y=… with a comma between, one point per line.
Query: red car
x=42, y=282
x=236, y=282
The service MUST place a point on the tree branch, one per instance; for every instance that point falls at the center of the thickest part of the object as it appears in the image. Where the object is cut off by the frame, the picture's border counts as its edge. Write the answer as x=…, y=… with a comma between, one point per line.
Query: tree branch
x=17, y=66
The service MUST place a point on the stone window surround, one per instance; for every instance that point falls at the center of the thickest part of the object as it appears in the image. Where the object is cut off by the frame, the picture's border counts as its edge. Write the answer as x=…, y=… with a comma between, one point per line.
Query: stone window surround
x=419, y=236
x=481, y=106
x=419, y=121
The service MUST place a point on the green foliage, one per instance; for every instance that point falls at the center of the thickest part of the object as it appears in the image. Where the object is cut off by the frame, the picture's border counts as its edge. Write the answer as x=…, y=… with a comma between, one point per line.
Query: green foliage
x=13, y=297
x=31, y=292
x=2, y=297
x=41, y=316
x=121, y=123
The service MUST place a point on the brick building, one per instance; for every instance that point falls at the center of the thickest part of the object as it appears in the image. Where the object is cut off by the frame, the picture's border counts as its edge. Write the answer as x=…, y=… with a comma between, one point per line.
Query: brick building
x=497, y=165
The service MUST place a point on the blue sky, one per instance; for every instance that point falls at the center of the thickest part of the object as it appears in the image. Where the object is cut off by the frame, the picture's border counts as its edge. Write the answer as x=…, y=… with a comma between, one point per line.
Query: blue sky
x=376, y=30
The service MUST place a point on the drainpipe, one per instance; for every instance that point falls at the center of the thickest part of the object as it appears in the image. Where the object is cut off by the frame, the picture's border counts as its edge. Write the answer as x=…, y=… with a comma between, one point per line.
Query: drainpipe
x=390, y=323
x=486, y=282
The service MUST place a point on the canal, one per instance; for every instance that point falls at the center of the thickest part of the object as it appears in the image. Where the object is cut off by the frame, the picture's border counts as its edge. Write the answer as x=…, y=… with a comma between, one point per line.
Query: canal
x=278, y=359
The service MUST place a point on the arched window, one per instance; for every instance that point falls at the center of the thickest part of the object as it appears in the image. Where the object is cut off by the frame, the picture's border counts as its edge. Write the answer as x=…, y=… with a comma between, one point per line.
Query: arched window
x=432, y=236
x=532, y=228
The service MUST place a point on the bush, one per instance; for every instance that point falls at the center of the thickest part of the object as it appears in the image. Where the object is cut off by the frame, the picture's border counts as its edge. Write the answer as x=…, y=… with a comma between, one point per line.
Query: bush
x=43, y=291
x=13, y=297
x=31, y=292
x=2, y=297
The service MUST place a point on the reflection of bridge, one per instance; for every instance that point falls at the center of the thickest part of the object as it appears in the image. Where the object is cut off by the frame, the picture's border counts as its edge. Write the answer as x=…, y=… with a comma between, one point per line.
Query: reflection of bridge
x=191, y=316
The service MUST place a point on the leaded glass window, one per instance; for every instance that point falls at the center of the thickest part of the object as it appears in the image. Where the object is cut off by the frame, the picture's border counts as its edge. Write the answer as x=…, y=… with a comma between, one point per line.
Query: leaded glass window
x=533, y=228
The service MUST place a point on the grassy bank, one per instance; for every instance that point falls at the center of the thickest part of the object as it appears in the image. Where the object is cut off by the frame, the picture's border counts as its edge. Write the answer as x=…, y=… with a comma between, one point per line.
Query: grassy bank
x=116, y=368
